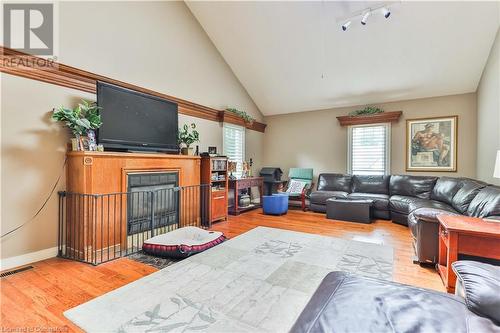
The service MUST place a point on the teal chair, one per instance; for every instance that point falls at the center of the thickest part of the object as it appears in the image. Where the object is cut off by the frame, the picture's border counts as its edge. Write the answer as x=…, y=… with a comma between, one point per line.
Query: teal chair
x=299, y=196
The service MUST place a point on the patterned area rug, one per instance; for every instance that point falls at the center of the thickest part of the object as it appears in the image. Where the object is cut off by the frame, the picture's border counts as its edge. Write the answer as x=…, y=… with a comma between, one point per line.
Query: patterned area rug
x=257, y=282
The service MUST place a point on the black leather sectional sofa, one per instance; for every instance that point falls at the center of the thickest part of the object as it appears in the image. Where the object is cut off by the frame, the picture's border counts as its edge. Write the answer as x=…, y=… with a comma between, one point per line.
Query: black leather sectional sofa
x=345, y=302
x=414, y=201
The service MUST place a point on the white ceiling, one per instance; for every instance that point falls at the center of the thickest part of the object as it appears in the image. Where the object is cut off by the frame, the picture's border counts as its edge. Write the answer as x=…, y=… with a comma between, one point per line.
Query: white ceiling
x=293, y=56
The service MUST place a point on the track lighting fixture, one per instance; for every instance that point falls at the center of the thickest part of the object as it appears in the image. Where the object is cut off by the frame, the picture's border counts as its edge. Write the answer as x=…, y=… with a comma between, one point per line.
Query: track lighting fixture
x=346, y=25
x=365, y=17
x=386, y=12
x=365, y=14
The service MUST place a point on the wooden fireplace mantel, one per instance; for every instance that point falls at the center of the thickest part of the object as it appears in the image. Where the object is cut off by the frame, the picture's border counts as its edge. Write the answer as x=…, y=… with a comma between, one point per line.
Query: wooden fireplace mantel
x=385, y=117
x=106, y=172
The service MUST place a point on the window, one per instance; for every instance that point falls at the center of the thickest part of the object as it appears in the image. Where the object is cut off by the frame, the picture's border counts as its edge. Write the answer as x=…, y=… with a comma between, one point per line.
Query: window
x=369, y=149
x=234, y=146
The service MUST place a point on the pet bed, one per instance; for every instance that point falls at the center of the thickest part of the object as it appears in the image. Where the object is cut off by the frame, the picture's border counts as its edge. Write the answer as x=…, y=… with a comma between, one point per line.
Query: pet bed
x=182, y=242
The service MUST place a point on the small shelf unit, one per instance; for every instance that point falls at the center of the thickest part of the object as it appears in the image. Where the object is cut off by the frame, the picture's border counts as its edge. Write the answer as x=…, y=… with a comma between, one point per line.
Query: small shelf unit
x=214, y=172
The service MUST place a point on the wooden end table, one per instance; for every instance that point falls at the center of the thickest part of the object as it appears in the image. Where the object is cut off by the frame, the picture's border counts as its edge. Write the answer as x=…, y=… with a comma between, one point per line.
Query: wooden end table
x=464, y=235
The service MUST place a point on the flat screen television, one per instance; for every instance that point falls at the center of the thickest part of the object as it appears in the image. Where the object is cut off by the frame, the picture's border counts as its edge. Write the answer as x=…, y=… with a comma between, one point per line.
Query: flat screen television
x=136, y=121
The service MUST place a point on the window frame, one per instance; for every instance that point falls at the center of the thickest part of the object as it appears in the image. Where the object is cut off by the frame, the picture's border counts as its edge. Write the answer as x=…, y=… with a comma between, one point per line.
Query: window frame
x=387, y=164
x=239, y=166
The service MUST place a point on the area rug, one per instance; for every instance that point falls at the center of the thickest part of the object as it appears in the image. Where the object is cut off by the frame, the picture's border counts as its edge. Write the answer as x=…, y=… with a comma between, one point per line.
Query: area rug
x=156, y=262
x=257, y=282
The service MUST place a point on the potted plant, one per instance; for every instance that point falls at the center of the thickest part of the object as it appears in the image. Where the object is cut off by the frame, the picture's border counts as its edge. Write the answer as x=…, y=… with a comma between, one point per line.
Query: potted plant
x=242, y=114
x=84, y=119
x=188, y=135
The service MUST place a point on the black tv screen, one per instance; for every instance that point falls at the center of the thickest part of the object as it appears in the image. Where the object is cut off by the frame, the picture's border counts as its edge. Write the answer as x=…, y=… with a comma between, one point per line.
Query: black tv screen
x=136, y=121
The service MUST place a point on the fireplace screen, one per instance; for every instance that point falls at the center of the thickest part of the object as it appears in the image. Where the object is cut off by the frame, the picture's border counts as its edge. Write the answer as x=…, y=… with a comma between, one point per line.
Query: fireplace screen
x=153, y=201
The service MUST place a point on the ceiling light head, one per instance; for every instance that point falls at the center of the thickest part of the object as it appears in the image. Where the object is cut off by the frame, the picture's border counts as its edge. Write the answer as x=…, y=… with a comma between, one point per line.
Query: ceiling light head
x=365, y=17
x=386, y=12
x=346, y=25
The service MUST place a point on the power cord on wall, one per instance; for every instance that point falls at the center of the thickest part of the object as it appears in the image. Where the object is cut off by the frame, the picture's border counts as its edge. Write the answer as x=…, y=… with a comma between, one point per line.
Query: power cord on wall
x=43, y=205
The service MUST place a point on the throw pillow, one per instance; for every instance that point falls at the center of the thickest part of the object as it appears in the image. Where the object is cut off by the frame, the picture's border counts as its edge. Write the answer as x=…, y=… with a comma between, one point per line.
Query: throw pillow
x=295, y=187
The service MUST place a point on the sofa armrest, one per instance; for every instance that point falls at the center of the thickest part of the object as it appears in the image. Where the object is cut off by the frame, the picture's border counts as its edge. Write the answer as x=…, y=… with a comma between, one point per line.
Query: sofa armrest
x=430, y=214
x=479, y=284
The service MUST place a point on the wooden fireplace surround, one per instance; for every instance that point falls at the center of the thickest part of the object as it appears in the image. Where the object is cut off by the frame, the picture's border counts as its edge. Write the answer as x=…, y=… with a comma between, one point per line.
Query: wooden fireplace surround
x=98, y=173
x=91, y=172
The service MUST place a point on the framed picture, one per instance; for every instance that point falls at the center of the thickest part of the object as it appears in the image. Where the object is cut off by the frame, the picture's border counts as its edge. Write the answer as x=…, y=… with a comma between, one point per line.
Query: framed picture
x=212, y=150
x=431, y=144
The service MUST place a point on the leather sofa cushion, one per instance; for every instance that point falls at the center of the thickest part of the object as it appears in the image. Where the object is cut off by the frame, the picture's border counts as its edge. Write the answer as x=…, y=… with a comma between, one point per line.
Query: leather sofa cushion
x=320, y=197
x=380, y=201
x=485, y=203
x=470, y=188
x=445, y=189
x=481, y=284
x=431, y=204
x=429, y=214
x=370, y=184
x=412, y=186
x=401, y=203
x=348, y=303
x=334, y=182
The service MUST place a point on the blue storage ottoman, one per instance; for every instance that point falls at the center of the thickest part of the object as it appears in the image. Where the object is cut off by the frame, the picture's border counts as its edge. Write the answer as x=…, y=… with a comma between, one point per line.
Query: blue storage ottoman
x=276, y=204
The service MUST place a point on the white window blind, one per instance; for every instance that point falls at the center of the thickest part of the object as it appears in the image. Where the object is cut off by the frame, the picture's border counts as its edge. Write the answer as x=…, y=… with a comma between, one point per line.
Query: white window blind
x=369, y=149
x=234, y=146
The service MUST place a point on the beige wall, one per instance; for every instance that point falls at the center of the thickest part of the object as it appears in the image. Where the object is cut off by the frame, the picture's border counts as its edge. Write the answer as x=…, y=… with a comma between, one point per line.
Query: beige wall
x=157, y=45
x=32, y=154
x=488, y=116
x=315, y=139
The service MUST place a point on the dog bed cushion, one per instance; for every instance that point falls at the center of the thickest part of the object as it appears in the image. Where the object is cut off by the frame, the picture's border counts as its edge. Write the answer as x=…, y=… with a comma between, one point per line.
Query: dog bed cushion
x=182, y=242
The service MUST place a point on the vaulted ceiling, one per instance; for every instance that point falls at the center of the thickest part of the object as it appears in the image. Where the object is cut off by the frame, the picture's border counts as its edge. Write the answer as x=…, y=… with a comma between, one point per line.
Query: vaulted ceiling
x=294, y=56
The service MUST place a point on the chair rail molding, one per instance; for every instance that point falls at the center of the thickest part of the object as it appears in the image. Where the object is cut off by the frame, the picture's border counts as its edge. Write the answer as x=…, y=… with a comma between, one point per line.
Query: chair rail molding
x=75, y=78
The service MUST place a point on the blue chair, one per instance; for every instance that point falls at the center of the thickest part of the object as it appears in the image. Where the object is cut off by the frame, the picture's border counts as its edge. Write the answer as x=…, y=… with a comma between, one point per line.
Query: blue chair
x=276, y=204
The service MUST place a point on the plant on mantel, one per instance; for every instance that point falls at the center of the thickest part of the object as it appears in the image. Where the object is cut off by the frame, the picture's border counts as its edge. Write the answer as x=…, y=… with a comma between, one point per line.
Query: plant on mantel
x=188, y=135
x=242, y=114
x=366, y=111
x=81, y=120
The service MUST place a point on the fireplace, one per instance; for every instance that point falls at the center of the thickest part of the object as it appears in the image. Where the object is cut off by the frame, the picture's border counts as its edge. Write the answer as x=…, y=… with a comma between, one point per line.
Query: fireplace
x=153, y=201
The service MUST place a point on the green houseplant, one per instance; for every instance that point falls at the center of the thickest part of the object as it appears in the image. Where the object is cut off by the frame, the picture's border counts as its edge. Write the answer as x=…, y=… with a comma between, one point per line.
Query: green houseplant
x=242, y=114
x=188, y=135
x=84, y=119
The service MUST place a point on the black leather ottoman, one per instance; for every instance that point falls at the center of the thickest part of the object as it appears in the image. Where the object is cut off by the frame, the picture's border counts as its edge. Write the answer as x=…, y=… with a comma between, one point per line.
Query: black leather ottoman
x=349, y=210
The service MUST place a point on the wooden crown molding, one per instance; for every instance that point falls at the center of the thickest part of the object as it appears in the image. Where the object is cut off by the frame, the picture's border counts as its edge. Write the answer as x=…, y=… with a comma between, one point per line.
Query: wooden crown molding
x=229, y=117
x=75, y=78
x=385, y=117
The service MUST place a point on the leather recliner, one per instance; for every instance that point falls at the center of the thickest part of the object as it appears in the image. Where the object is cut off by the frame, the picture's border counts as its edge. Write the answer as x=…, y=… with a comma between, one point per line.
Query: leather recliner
x=483, y=201
x=414, y=201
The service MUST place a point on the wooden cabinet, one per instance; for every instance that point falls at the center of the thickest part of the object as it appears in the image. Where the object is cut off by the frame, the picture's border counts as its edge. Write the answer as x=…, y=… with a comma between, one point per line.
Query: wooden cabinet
x=244, y=185
x=214, y=173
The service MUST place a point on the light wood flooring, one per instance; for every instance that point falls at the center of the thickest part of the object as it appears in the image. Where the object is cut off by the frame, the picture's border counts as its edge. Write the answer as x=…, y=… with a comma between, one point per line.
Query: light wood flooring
x=36, y=299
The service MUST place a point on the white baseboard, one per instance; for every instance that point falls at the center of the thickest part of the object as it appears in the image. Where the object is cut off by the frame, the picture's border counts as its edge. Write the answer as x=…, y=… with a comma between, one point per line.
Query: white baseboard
x=27, y=258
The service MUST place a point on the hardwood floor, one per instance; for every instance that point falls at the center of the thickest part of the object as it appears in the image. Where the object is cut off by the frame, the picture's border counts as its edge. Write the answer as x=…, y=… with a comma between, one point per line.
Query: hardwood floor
x=36, y=299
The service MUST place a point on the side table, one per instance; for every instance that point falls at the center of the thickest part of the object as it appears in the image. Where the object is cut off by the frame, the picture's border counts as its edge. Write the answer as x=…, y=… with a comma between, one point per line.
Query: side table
x=460, y=234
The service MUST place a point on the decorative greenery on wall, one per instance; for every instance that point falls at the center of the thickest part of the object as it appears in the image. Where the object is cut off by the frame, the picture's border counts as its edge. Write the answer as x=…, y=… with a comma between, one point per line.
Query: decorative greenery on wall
x=368, y=110
x=242, y=114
